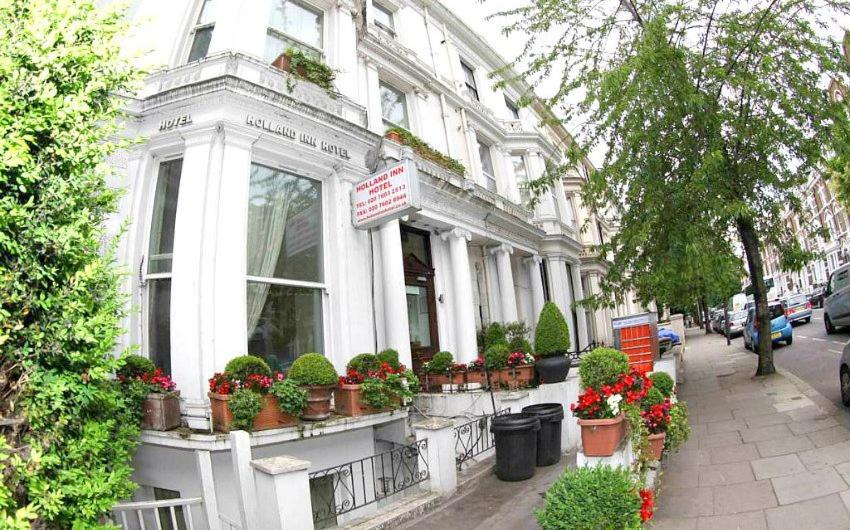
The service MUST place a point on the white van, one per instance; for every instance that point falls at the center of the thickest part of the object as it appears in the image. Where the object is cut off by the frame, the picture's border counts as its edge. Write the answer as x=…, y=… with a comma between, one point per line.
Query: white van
x=836, y=299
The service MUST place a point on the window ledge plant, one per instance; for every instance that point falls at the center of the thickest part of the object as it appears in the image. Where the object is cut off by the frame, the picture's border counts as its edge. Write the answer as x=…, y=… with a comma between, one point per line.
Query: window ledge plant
x=300, y=65
x=405, y=137
x=156, y=393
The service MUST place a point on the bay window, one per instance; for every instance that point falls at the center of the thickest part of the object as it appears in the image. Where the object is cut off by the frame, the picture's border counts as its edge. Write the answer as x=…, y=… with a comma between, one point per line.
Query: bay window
x=521, y=176
x=294, y=25
x=487, y=166
x=285, y=276
x=159, y=259
x=202, y=31
x=393, y=106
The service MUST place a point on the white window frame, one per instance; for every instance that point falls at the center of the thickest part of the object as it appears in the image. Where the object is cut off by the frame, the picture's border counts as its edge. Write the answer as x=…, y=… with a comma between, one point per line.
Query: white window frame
x=195, y=28
x=377, y=6
x=310, y=7
x=488, y=177
x=512, y=107
x=522, y=186
x=473, y=91
x=387, y=123
x=291, y=165
x=144, y=276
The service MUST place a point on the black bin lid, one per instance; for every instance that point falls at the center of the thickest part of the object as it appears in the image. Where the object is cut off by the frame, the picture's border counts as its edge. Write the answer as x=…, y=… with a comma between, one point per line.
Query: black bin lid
x=515, y=422
x=546, y=411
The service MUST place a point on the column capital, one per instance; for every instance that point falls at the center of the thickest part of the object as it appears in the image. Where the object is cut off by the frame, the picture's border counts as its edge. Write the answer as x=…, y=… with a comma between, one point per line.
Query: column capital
x=534, y=259
x=504, y=247
x=459, y=233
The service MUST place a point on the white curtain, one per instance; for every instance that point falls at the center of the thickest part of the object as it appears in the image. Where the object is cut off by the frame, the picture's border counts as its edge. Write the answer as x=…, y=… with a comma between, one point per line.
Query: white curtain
x=269, y=203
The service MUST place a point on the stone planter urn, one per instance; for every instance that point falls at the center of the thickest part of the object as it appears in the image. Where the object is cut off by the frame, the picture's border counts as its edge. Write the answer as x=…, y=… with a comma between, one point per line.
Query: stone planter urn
x=602, y=437
x=269, y=417
x=161, y=412
x=656, y=444
x=318, y=402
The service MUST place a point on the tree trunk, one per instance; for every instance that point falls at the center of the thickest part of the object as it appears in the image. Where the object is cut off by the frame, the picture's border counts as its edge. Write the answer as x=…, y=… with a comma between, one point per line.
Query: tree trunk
x=749, y=239
x=706, y=316
x=699, y=314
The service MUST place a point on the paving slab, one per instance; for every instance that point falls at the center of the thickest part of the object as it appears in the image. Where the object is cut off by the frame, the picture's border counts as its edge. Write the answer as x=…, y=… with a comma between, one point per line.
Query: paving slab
x=738, y=521
x=808, y=485
x=726, y=454
x=769, y=419
x=745, y=497
x=829, y=436
x=686, y=502
x=807, y=426
x=825, y=513
x=777, y=466
x=826, y=456
x=784, y=446
x=725, y=474
x=719, y=440
x=761, y=434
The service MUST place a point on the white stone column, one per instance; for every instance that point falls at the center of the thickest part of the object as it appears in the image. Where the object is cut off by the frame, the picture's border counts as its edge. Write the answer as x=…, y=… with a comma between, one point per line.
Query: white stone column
x=578, y=291
x=461, y=295
x=188, y=266
x=561, y=292
x=373, y=98
x=344, y=51
x=283, y=493
x=471, y=137
x=535, y=280
x=507, y=294
x=440, y=455
x=396, y=324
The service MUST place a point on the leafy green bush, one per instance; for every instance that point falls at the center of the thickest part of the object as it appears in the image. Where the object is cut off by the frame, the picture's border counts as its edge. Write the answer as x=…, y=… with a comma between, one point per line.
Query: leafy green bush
x=66, y=454
x=390, y=357
x=244, y=365
x=496, y=357
x=663, y=382
x=403, y=385
x=552, y=336
x=291, y=398
x=313, y=369
x=244, y=404
x=516, y=334
x=364, y=363
x=602, y=366
x=653, y=397
x=426, y=151
x=440, y=363
x=678, y=431
x=592, y=498
x=312, y=70
x=134, y=366
x=375, y=393
x=494, y=334
x=639, y=436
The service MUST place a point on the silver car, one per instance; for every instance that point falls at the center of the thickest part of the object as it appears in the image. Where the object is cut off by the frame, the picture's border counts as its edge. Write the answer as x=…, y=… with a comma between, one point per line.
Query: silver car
x=836, y=305
x=797, y=308
x=844, y=375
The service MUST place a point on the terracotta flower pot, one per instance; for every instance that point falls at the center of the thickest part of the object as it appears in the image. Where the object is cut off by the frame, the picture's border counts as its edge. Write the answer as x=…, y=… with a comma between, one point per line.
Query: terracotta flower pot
x=161, y=411
x=458, y=378
x=602, y=437
x=436, y=381
x=476, y=376
x=519, y=376
x=318, y=402
x=395, y=136
x=348, y=401
x=269, y=417
x=656, y=444
x=284, y=62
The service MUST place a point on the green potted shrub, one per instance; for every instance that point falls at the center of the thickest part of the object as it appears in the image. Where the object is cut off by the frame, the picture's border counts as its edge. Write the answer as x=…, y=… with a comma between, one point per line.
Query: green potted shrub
x=589, y=498
x=390, y=357
x=602, y=366
x=551, y=345
x=348, y=394
x=655, y=411
x=438, y=371
x=317, y=375
x=305, y=67
x=496, y=362
x=160, y=399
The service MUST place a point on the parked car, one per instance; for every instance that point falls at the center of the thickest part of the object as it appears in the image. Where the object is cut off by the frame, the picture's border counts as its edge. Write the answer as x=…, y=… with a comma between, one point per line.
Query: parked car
x=816, y=296
x=737, y=320
x=798, y=308
x=780, y=327
x=717, y=321
x=844, y=375
x=836, y=302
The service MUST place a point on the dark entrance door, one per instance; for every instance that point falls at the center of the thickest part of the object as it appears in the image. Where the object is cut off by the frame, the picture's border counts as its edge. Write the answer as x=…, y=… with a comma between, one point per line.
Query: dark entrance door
x=421, y=301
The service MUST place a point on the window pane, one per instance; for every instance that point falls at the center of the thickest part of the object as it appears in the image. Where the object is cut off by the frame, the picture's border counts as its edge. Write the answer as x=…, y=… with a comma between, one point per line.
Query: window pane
x=298, y=22
x=159, y=323
x=570, y=213
x=469, y=74
x=201, y=43
x=418, y=316
x=519, y=168
x=283, y=322
x=383, y=16
x=393, y=106
x=164, y=211
x=486, y=162
x=512, y=108
x=208, y=13
x=284, y=226
x=416, y=244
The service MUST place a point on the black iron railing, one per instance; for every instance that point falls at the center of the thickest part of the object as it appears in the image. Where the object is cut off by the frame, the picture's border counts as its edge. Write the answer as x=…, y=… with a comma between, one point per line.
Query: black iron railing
x=575, y=356
x=362, y=482
x=474, y=437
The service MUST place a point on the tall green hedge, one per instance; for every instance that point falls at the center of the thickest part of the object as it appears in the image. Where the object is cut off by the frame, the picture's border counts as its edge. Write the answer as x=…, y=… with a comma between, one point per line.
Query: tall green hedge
x=552, y=336
x=66, y=457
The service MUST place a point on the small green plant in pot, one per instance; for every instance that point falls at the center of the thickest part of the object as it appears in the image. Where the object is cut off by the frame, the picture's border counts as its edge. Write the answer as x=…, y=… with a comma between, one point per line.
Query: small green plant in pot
x=245, y=405
x=364, y=363
x=439, y=370
x=317, y=375
x=390, y=357
x=602, y=366
x=551, y=345
x=496, y=361
x=239, y=368
x=291, y=398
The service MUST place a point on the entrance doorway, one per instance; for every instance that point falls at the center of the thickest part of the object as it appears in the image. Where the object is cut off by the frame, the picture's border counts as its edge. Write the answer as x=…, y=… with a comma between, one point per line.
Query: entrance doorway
x=421, y=301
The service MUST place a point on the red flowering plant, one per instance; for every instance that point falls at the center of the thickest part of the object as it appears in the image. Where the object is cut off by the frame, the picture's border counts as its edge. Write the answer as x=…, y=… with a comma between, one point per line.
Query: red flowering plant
x=519, y=358
x=224, y=383
x=604, y=403
x=655, y=411
x=476, y=366
x=647, y=505
x=156, y=381
x=352, y=377
x=458, y=367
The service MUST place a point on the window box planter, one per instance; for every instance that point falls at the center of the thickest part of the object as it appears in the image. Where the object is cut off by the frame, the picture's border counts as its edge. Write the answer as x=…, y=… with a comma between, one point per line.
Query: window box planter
x=435, y=382
x=395, y=136
x=656, y=444
x=348, y=401
x=518, y=376
x=161, y=412
x=318, y=402
x=477, y=376
x=602, y=437
x=284, y=62
x=270, y=416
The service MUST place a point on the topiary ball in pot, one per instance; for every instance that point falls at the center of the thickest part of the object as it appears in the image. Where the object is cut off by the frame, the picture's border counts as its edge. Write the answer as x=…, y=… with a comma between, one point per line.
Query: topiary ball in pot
x=244, y=365
x=390, y=357
x=315, y=372
x=602, y=366
x=663, y=382
x=364, y=363
x=496, y=357
x=440, y=363
x=551, y=344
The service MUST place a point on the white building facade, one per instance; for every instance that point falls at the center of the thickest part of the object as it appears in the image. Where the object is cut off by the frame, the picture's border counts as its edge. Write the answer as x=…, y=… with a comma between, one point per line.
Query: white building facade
x=239, y=214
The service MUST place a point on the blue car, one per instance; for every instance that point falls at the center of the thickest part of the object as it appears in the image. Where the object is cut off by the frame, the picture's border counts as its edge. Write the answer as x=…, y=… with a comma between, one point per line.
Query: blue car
x=780, y=326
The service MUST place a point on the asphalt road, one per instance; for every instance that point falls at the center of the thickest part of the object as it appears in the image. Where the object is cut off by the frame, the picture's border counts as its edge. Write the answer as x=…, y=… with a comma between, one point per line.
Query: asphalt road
x=813, y=357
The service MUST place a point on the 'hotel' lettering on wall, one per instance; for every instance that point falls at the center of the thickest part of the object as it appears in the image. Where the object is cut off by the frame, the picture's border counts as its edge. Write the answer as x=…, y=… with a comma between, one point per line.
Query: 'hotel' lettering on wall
x=278, y=129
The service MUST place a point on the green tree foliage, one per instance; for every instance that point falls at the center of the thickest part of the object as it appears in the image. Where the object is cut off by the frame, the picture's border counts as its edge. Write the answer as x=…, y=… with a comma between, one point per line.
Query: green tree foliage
x=712, y=115
x=552, y=336
x=70, y=431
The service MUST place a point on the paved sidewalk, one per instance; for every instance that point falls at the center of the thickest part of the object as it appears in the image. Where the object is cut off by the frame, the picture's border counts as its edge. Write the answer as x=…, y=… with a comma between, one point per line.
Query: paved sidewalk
x=765, y=453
